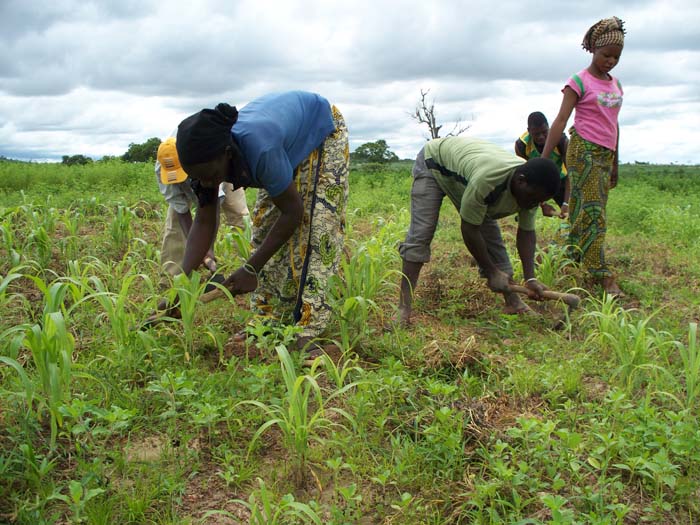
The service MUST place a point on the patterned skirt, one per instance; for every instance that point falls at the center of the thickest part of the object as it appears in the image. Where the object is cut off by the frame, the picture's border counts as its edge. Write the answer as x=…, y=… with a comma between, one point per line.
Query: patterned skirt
x=589, y=168
x=292, y=285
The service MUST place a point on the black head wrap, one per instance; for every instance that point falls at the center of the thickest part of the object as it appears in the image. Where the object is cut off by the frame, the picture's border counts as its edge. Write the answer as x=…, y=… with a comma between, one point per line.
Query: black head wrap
x=206, y=134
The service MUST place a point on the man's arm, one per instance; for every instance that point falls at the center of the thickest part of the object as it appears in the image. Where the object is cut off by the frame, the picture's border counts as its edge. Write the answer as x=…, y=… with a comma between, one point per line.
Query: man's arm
x=526, y=242
x=473, y=240
x=563, y=148
x=564, y=210
x=520, y=149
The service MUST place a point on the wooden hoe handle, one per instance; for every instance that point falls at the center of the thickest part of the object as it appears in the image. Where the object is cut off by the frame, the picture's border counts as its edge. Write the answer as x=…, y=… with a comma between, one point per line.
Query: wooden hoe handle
x=215, y=294
x=571, y=300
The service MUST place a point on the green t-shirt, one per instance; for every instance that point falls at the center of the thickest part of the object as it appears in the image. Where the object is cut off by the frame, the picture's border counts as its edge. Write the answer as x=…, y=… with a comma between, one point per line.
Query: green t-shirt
x=476, y=176
x=532, y=153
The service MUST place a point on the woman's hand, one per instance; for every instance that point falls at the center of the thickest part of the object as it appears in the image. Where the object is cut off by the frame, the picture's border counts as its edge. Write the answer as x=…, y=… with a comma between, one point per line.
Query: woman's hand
x=243, y=280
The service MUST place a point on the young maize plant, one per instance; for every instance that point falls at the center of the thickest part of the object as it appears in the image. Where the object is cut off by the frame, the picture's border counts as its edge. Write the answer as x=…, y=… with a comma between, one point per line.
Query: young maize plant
x=51, y=346
x=120, y=228
x=188, y=290
x=116, y=307
x=300, y=415
x=265, y=509
x=363, y=278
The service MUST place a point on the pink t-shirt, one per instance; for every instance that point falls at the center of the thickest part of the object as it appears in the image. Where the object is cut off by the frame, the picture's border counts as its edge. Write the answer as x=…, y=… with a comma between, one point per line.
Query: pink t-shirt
x=596, y=110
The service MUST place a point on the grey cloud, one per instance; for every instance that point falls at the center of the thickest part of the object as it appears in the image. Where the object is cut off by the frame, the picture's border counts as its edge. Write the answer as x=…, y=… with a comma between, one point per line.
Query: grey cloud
x=143, y=55
x=74, y=65
x=19, y=17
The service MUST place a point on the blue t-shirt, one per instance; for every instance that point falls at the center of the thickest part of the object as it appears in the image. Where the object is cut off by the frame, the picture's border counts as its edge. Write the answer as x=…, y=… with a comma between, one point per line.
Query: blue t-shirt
x=277, y=131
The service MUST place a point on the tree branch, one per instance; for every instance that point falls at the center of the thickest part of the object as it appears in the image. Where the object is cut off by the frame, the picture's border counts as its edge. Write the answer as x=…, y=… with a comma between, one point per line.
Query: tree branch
x=425, y=114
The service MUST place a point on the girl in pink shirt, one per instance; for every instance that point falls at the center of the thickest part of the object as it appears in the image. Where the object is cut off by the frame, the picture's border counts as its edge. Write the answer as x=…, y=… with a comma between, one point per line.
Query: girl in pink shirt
x=592, y=156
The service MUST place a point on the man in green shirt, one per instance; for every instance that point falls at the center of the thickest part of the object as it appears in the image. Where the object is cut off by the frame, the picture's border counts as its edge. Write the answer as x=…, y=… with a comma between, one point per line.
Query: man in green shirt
x=485, y=183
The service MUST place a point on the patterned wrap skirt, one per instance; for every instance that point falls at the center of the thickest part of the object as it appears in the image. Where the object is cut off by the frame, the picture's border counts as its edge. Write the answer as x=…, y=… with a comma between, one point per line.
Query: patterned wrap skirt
x=589, y=166
x=292, y=285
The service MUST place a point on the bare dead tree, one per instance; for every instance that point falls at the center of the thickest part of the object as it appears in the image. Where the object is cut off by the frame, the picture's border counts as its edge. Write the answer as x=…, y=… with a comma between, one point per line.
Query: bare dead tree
x=425, y=114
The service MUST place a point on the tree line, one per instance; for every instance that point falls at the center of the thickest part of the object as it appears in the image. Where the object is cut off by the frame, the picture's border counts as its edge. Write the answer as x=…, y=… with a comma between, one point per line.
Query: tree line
x=369, y=152
x=145, y=152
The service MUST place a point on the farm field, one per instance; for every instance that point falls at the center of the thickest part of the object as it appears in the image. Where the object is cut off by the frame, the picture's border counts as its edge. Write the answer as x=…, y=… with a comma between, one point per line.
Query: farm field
x=469, y=417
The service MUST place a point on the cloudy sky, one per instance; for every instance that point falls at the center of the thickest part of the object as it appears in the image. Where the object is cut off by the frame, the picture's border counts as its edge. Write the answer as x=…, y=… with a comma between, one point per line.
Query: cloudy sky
x=91, y=77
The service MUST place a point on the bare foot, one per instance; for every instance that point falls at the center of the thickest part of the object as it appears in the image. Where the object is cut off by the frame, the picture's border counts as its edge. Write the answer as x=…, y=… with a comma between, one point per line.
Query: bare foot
x=515, y=305
x=611, y=287
x=404, y=317
x=513, y=310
